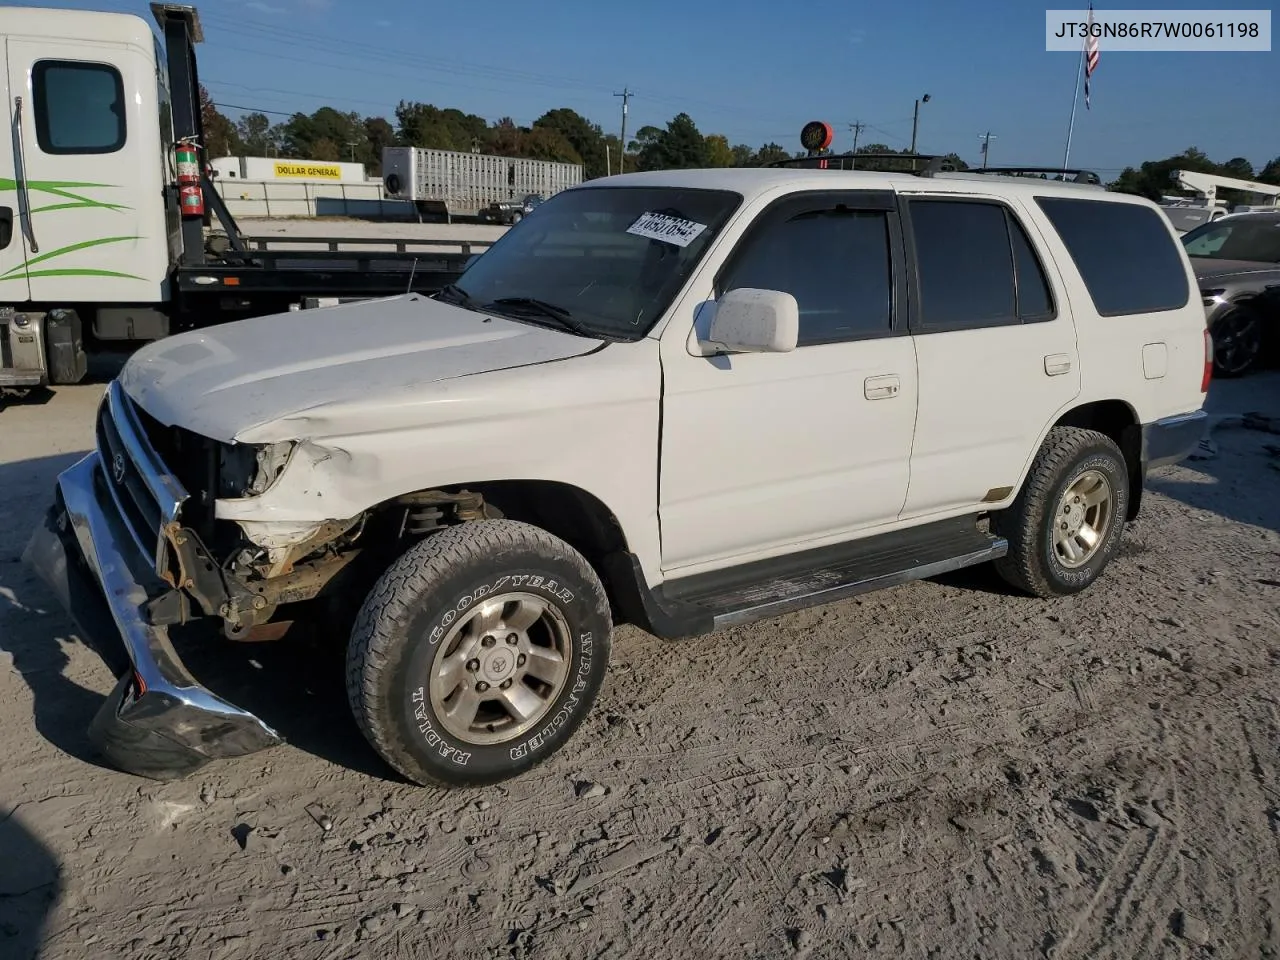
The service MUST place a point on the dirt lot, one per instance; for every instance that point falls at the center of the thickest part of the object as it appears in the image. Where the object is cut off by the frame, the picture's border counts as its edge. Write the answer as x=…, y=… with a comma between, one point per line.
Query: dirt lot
x=941, y=770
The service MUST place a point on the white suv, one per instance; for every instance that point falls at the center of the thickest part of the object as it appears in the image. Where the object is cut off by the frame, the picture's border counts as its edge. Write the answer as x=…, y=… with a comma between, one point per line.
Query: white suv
x=680, y=400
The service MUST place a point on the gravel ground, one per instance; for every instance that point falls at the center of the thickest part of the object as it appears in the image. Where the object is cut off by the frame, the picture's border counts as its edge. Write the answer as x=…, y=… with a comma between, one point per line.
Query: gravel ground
x=939, y=770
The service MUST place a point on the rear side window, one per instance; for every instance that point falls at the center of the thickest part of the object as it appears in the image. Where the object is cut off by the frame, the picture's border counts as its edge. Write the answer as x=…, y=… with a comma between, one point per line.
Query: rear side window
x=1129, y=262
x=78, y=107
x=975, y=266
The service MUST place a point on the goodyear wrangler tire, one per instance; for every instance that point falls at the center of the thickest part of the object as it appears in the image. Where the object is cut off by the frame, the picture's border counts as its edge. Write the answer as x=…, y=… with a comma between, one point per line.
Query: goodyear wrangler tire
x=478, y=652
x=1065, y=525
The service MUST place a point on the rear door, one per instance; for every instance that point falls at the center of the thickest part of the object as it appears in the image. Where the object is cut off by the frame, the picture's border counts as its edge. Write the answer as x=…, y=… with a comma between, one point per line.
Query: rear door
x=995, y=344
x=13, y=279
x=83, y=119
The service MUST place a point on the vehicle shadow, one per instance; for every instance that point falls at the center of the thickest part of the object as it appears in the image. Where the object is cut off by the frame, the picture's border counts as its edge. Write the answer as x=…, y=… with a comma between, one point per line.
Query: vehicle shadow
x=296, y=684
x=34, y=631
x=30, y=885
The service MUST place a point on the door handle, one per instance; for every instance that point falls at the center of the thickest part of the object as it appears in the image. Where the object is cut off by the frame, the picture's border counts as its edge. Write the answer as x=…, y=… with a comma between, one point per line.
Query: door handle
x=882, y=387
x=6, y=226
x=1056, y=364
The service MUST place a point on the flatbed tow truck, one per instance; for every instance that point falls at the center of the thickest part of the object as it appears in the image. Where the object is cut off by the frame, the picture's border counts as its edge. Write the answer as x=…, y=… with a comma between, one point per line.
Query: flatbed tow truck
x=107, y=208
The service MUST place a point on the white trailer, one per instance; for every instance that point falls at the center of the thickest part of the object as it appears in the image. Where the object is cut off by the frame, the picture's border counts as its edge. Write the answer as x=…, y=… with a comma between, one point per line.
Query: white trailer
x=453, y=184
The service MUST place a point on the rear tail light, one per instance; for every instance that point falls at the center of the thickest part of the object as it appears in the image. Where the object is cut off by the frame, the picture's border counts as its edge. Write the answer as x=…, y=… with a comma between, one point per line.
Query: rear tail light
x=1208, y=362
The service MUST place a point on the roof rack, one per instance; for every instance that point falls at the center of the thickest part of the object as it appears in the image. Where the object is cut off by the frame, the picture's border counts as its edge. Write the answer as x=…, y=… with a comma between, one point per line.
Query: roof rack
x=919, y=164
x=1068, y=174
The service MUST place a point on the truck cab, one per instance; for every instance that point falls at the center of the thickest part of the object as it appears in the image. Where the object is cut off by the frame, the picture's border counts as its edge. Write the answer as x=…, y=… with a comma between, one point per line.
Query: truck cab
x=85, y=217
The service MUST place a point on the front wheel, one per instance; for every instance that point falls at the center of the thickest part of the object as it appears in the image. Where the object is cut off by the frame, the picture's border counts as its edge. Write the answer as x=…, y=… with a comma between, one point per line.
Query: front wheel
x=1065, y=524
x=478, y=653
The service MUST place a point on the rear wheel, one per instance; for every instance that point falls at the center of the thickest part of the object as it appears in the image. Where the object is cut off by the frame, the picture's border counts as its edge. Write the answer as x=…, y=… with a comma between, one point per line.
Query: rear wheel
x=1066, y=522
x=516, y=218
x=1237, y=343
x=478, y=653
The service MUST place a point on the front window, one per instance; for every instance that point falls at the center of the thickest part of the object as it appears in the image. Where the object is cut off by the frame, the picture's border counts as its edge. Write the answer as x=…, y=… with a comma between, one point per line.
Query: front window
x=1254, y=239
x=607, y=260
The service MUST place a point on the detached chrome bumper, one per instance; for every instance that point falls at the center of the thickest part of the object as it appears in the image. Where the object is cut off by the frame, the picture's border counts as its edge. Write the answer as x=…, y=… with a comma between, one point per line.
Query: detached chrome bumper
x=158, y=722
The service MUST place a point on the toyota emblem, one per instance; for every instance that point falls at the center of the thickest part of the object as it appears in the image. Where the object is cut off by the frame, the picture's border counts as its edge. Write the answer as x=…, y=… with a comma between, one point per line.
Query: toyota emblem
x=118, y=467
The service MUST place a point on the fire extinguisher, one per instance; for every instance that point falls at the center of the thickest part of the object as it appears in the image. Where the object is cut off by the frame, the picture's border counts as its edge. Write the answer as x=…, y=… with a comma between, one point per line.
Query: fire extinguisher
x=190, y=191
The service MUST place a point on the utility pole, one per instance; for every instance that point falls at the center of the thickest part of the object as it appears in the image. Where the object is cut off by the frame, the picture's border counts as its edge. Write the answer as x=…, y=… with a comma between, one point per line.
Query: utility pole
x=622, y=149
x=986, y=139
x=915, y=120
x=857, y=127
x=353, y=144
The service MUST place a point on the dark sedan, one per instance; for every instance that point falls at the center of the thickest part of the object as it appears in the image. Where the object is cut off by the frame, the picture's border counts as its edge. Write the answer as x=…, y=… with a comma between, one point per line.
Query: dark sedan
x=1237, y=262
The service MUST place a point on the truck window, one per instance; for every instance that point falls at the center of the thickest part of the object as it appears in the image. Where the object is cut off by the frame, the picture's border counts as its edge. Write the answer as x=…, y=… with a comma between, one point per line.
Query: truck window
x=1124, y=252
x=79, y=107
x=834, y=261
x=965, y=264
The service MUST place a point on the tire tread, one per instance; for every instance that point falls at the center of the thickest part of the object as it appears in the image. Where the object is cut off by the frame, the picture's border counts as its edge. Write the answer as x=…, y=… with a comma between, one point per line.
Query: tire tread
x=369, y=653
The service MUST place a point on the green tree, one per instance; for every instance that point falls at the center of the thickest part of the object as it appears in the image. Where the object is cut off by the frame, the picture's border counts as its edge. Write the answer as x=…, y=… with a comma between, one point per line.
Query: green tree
x=719, y=153
x=679, y=147
x=254, y=130
x=1270, y=173
x=220, y=137
x=1237, y=167
x=743, y=156
x=584, y=137
x=379, y=134
x=1154, y=178
x=542, y=143
x=425, y=125
x=770, y=153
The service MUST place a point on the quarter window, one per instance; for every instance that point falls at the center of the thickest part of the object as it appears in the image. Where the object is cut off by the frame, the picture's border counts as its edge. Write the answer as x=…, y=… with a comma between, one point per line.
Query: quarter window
x=1124, y=252
x=78, y=107
x=834, y=261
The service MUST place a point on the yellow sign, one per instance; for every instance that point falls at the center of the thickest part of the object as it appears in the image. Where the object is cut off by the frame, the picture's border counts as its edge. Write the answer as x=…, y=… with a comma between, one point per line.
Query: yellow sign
x=308, y=171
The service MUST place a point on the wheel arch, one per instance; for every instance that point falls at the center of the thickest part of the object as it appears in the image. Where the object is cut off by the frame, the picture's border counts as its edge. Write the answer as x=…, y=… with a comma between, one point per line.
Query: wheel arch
x=573, y=514
x=1119, y=421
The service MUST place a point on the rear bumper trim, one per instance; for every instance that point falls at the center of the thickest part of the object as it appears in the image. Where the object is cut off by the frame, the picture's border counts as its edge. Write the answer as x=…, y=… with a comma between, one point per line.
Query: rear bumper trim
x=1172, y=439
x=159, y=722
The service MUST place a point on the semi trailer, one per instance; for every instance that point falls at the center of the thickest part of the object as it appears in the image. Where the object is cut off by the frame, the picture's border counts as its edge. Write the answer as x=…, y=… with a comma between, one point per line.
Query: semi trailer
x=449, y=183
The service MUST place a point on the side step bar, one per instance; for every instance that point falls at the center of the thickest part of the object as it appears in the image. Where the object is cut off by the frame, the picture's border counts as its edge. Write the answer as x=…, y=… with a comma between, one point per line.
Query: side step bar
x=771, y=588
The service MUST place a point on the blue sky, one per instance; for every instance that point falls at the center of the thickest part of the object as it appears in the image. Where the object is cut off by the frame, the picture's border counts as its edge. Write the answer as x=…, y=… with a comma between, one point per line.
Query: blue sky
x=753, y=70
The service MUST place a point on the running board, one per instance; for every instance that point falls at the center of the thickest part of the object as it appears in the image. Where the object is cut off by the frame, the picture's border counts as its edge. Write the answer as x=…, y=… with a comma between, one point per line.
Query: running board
x=771, y=588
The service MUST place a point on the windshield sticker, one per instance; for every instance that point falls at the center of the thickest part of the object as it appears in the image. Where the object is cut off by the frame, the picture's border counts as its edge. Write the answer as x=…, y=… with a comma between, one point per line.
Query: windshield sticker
x=668, y=229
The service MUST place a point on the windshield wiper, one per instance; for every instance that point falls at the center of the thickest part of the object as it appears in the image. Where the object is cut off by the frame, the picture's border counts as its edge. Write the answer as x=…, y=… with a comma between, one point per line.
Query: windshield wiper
x=562, y=317
x=452, y=293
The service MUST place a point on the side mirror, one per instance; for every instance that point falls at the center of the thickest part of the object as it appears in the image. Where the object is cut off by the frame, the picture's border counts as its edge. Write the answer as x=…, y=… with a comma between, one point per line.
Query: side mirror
x=755, y=321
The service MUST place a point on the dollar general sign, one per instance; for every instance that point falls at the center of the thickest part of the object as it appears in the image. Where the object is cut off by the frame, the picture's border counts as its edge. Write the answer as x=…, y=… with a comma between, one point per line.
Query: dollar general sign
x=309, y=171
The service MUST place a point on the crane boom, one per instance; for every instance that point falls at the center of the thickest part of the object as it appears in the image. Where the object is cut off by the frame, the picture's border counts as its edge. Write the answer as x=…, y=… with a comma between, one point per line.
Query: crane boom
x=1208, y=184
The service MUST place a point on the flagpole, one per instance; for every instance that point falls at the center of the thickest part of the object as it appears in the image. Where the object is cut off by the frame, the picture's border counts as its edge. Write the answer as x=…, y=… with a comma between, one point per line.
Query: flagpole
x=1075, y=97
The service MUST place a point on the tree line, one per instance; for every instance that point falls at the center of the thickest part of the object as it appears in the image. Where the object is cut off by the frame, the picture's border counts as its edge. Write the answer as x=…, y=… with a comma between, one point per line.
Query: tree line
x=561, y=135
x=565, y=135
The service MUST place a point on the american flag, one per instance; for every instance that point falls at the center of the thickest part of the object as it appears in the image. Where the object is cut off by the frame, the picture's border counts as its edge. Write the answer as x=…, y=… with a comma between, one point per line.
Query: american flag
x=1090, y=57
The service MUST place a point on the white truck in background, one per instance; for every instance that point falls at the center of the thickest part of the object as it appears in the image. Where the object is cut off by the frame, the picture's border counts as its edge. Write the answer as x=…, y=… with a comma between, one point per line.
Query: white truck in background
x=1187, y=213
x=449, y=183
x=105, y=202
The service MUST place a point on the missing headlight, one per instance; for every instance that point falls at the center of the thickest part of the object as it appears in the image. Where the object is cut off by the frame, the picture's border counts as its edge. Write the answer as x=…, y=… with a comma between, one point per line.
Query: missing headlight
x=249, y=470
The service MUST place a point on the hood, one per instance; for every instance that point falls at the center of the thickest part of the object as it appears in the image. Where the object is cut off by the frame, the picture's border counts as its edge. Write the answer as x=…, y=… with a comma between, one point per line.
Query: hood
x=1210, y=268
x=225, y=380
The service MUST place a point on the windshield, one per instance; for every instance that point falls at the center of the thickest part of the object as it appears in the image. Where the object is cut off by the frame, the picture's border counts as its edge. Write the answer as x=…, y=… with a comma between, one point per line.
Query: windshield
x=1255, y=239
x=594, y=255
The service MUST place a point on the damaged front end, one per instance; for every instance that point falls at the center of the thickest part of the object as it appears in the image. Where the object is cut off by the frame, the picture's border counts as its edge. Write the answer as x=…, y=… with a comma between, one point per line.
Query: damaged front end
x=132, y=548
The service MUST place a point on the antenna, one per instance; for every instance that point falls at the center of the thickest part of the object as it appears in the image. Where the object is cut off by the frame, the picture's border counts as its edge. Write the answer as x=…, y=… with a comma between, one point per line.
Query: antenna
x=412, y=271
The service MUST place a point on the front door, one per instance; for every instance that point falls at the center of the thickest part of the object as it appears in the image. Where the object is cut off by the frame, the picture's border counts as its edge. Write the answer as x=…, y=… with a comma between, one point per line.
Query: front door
x=13, y=279
x=996, y=348
x=766, y=453
x=83, y=119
